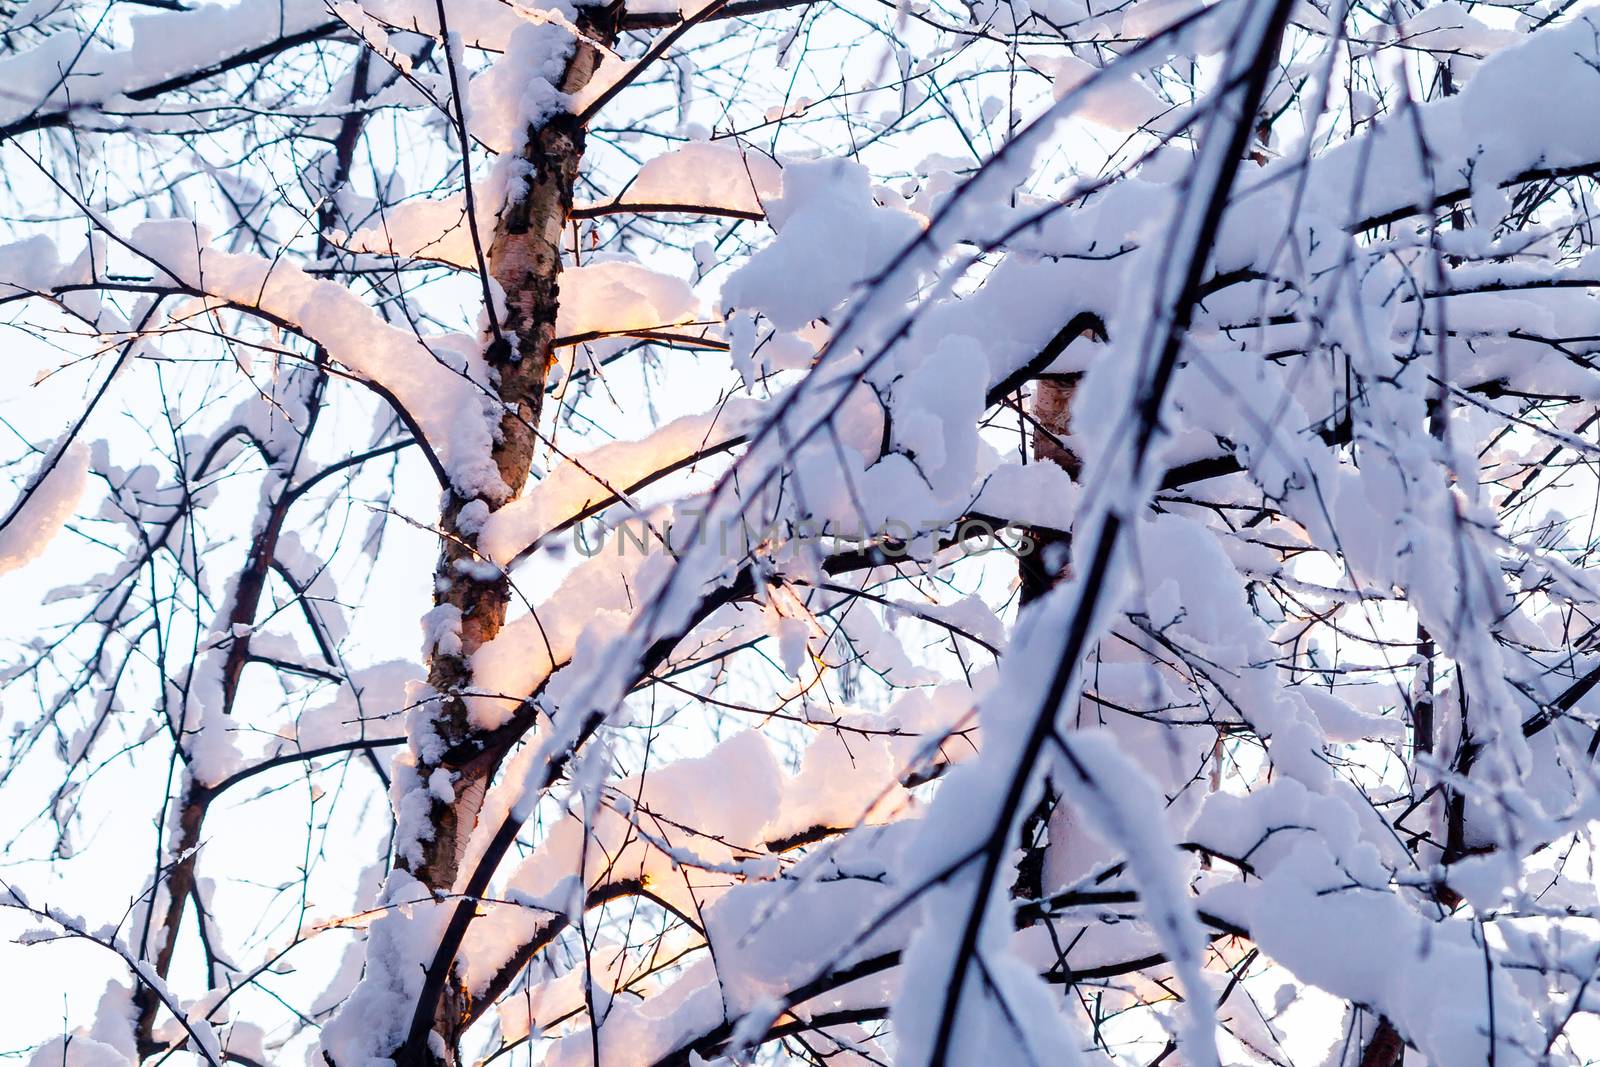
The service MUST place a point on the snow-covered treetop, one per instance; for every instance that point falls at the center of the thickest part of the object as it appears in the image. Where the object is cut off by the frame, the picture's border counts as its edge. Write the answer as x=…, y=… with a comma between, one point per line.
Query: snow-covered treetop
x=942, y=533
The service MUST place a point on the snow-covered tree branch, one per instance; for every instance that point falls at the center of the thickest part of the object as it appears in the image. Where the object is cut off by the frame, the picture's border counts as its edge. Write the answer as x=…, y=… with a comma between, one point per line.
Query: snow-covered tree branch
x=923, y=533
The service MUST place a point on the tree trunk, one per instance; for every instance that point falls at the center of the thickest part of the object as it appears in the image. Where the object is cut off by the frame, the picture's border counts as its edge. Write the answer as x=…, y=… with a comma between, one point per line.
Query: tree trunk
x=524, y=258
x=1038, y=572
